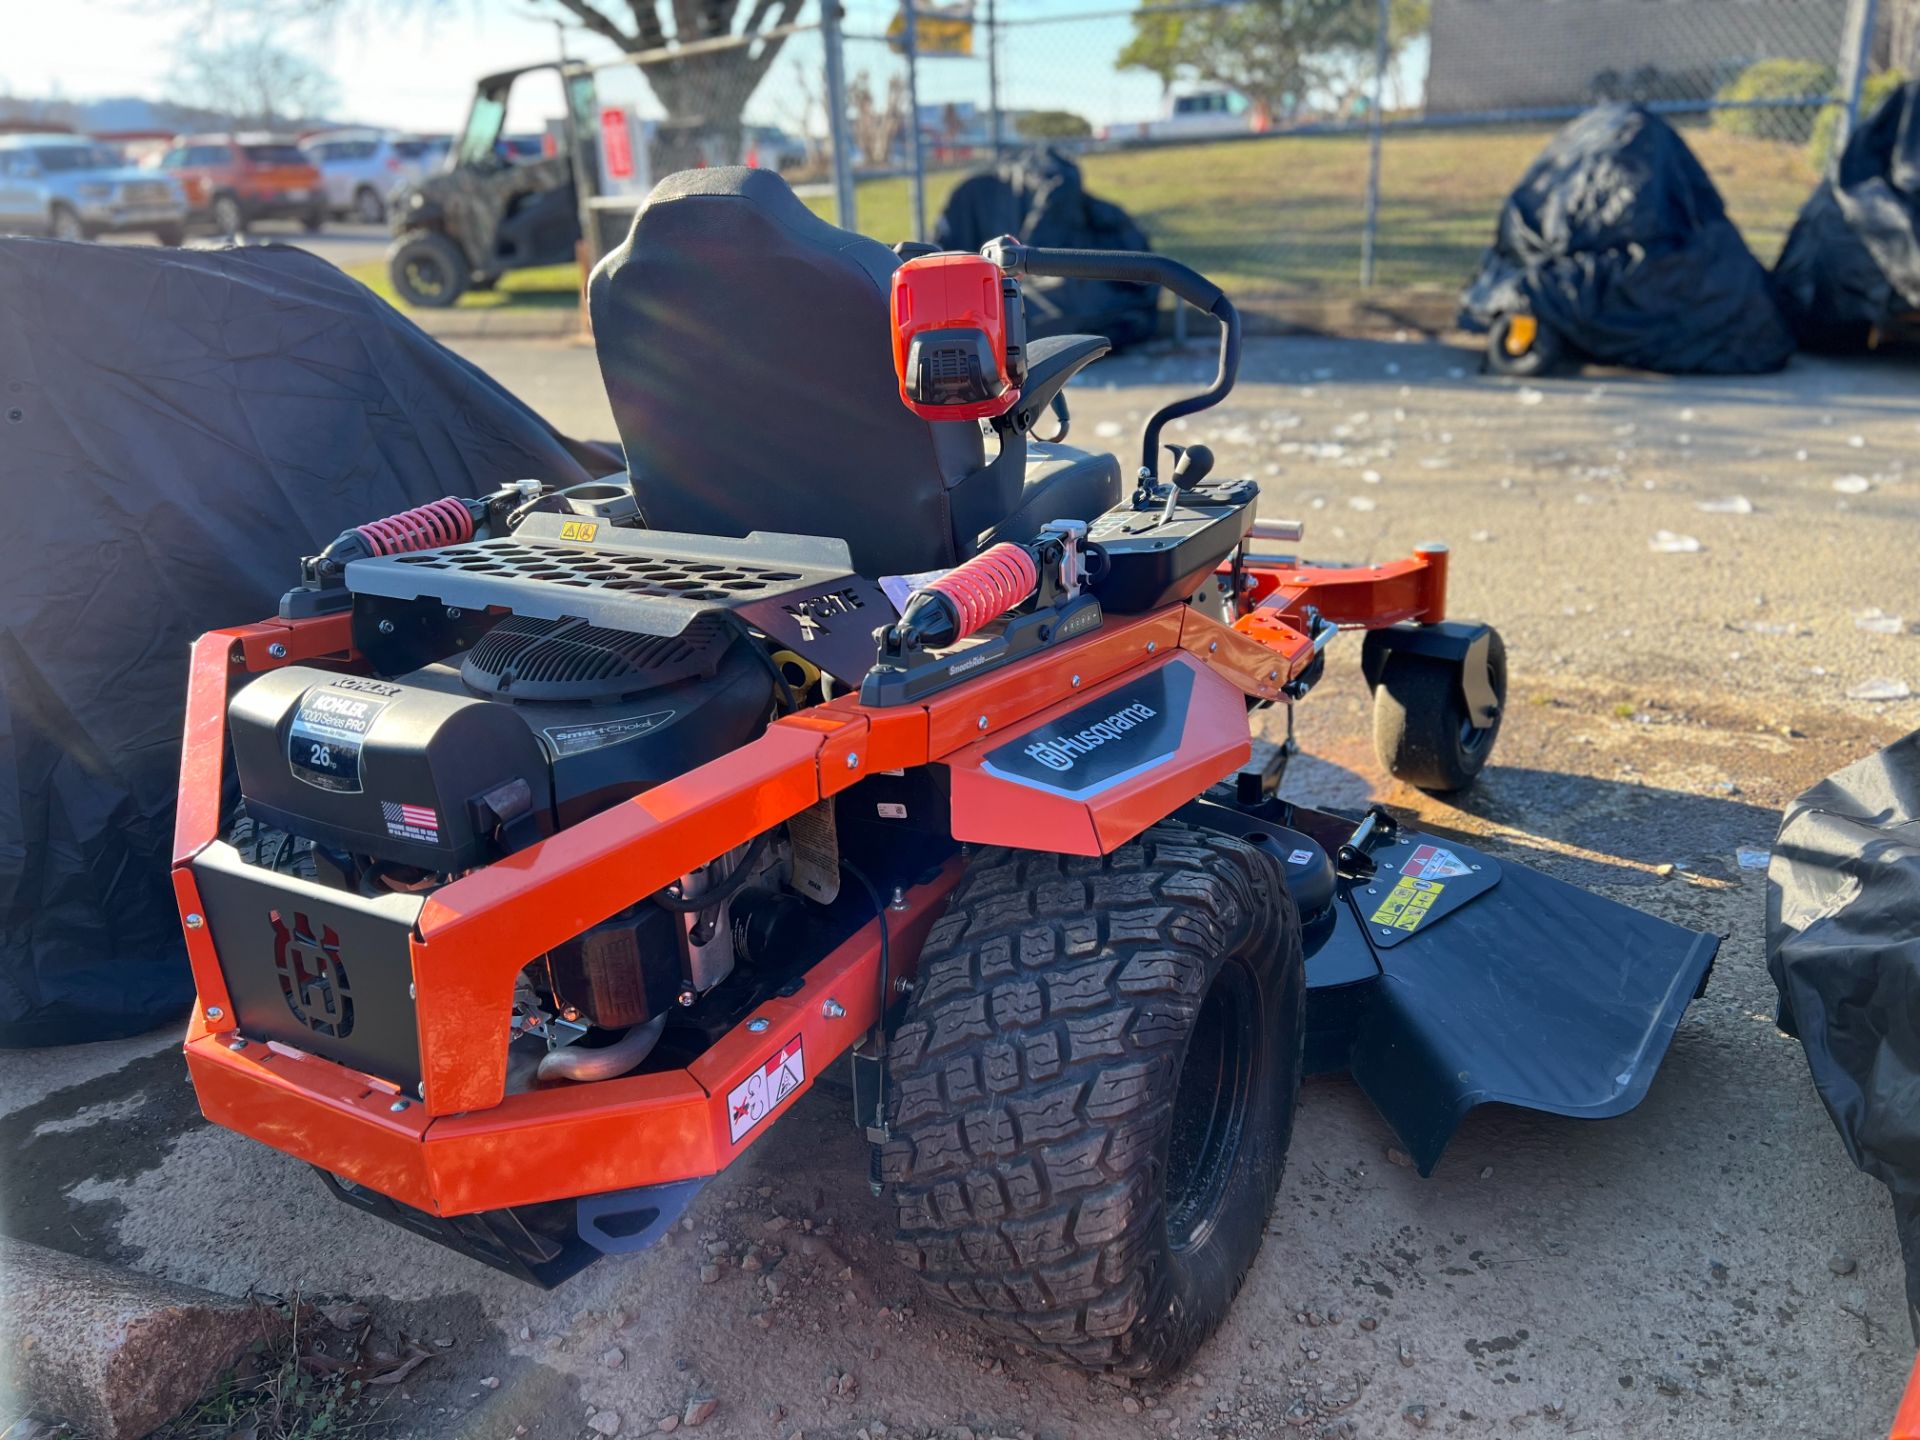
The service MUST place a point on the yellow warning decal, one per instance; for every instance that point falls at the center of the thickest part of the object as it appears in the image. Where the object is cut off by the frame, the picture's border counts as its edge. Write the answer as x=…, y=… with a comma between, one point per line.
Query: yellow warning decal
x=579, y=529
x=1410, y=903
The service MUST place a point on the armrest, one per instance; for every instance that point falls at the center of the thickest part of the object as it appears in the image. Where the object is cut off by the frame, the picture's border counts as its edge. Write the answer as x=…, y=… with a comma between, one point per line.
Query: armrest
x=1051, y=363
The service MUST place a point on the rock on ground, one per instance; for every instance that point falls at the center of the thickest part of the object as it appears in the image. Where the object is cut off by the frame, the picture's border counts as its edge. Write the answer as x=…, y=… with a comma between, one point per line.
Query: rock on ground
x=107, y=1350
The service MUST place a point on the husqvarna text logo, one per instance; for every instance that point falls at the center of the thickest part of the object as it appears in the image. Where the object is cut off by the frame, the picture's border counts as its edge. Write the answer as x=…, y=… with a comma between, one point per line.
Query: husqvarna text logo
x=1062, y=751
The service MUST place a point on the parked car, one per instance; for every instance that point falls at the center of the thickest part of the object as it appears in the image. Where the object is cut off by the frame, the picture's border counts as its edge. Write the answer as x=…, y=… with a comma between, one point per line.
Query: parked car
x=360, y=169
x=768, y=147
x=519, y=149
x=1195, y=115
x=234, y=180
x=73, y=188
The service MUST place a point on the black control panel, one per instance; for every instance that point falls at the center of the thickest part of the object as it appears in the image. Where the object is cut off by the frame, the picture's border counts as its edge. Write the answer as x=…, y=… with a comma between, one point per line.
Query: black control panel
x=1158, y=553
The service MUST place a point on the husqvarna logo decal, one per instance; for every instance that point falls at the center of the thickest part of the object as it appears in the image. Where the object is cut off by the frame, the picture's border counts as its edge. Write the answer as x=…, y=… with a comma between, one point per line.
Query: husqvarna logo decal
x=1060, y=752
x=1103, y=742
x=313, y=978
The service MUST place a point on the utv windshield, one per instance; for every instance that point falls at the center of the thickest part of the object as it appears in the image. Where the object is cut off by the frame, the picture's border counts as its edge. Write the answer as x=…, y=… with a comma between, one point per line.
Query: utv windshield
x=483, y=130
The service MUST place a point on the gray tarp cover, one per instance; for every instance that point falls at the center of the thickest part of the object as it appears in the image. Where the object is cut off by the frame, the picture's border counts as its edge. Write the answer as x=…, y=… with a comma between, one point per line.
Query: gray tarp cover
x=177, y=428
x=1843, y=944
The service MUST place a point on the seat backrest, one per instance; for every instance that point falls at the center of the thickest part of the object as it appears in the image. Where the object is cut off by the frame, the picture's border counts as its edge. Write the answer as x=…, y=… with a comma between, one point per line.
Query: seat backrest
x=744, y=343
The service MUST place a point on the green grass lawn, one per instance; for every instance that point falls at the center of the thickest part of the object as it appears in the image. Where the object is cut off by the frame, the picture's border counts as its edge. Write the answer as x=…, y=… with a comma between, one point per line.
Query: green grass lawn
x=1281, y=218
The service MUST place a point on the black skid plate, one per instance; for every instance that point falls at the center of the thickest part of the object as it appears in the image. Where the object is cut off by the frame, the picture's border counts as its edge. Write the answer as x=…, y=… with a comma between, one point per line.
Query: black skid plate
x=1450, y=979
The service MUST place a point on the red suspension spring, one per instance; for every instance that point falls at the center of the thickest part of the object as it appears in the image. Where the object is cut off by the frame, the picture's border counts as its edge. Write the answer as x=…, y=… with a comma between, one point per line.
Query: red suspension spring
x=440, y=522
x=987, y=586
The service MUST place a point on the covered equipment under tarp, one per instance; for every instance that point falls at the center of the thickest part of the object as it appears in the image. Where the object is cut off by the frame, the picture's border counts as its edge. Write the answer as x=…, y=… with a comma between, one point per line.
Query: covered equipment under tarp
x=1617, y=240
x=177, y=428
x=1039, y=198
x=1849, y=274
x=1843, y=945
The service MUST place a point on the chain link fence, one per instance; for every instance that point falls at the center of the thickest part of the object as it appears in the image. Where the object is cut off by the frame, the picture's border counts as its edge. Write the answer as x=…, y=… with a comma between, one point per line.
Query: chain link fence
x=1299, y=151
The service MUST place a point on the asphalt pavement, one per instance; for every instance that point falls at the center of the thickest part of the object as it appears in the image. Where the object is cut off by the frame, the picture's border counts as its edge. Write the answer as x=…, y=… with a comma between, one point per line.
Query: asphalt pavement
x=1700, y=584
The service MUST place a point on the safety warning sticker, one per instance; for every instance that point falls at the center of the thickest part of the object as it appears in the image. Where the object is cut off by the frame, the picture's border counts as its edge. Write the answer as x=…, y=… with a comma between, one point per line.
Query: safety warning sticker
x=816, y=852
x=1410, y=903
x=1434, y=862
x=749, y=1102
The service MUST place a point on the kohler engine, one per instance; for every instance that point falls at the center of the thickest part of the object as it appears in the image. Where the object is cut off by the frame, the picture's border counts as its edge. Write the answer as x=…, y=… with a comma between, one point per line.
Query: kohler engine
x=541, y=724
x=524, y=661
x=398, y=785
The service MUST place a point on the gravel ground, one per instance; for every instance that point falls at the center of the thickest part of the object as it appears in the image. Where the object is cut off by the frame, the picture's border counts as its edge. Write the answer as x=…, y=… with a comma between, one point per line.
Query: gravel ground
x=1672, y=1273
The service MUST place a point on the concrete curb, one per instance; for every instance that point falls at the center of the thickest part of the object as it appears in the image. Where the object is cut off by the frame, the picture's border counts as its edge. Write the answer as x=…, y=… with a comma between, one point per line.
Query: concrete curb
x=519, y=322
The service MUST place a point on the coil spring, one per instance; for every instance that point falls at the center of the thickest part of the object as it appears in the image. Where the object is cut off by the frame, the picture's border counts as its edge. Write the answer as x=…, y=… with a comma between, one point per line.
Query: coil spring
x=440, y=522
x=987, y=586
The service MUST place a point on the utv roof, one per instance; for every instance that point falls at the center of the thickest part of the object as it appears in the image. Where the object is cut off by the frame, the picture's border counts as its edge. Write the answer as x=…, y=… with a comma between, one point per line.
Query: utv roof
x=507, y=77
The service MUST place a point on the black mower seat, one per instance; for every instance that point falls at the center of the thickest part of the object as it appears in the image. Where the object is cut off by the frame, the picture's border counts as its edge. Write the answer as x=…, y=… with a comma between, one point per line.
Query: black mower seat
x=744, y=343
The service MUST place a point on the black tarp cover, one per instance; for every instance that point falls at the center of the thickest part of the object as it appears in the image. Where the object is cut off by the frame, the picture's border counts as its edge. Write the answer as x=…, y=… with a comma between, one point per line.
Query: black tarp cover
x=1851, y=264
x=1617, y=238
x=1040, y=199
x=1843, y=945
x=176, y=429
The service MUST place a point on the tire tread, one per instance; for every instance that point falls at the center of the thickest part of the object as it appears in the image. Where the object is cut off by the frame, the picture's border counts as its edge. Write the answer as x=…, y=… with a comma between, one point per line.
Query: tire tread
x=1033, y=1077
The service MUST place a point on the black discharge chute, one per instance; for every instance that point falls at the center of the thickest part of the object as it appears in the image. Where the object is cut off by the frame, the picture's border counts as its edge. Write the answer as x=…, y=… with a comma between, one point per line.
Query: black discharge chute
x=1849, y=274
x=1039, y=199
x=1843, y=892
x=177, y=428
x=1617, y=239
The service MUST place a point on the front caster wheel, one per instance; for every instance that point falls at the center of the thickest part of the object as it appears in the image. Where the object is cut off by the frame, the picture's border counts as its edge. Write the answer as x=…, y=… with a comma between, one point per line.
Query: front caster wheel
x=1423, y=730
x=1093, y=1094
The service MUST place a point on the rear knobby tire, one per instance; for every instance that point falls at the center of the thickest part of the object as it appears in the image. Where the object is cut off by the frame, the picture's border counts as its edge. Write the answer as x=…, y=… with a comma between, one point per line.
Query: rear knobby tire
x=1093, y=1093
x=1421, y=730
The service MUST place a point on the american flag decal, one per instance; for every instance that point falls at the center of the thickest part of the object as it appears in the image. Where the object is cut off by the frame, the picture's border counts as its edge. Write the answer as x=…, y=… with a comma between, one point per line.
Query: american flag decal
x=411, y=822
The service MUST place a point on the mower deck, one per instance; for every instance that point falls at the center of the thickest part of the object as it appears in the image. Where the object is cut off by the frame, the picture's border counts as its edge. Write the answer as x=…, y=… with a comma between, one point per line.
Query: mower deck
x=1450, y=979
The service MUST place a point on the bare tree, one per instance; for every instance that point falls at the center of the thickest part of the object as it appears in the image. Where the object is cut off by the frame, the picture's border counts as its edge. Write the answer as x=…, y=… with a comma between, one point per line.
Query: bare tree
x=877, y=128
x=254, y=81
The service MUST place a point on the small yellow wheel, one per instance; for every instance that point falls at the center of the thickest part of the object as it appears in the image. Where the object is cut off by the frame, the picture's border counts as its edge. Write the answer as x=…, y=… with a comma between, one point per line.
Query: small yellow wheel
x=1518, y=344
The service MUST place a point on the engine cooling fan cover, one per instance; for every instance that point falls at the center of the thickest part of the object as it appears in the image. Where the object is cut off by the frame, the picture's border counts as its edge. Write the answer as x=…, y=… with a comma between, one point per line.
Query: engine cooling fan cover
x=526, y=658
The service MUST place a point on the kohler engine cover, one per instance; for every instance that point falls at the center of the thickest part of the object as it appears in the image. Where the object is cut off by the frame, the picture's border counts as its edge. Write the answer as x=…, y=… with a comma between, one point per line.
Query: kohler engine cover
x=545, y=723
x=381, y=768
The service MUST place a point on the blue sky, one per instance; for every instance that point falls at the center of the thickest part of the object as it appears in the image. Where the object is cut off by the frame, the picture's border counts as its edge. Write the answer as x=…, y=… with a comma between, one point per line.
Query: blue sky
x=414, y=67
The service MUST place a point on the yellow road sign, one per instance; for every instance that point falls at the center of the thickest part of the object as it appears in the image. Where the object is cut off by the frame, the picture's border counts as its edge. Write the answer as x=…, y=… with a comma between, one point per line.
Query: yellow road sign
x=937, y=29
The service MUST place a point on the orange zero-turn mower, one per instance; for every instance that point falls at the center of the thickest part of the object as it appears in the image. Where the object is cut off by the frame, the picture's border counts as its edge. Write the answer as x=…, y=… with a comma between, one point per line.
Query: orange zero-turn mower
x=568, y=853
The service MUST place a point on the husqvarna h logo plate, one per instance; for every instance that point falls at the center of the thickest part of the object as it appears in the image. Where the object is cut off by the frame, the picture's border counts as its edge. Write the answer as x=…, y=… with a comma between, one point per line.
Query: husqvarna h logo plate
x=1111, y=739
x=313, y=979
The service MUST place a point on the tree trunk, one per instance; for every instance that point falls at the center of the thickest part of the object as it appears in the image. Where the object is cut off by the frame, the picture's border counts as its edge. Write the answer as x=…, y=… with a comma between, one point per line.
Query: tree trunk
x=706, y=93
